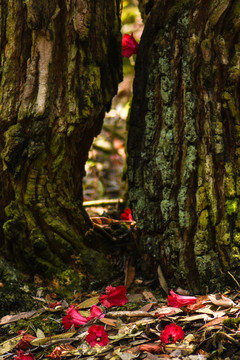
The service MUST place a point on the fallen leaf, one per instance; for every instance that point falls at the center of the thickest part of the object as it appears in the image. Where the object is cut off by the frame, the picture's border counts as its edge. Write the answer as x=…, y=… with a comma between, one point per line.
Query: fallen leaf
x=221, y=300
x=146, y=307
x=149, y=297
x=129, y=273
x=126, y=356
x=162, y=279
x=41, y=341
x=182, y=292
x=151, y=348
x=89, y=302
x=10, y=344
x=214, y=322
x=110, y=322
x=40, y=334
x=203, y=317
x=23, y=315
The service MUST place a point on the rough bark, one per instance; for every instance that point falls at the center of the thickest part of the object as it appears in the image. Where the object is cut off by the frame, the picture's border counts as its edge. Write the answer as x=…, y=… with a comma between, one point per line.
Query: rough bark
x=60, y=67
x=184, y=142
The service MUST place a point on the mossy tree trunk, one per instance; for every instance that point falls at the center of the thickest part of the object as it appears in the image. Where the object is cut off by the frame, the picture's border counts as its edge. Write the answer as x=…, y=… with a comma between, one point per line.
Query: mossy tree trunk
x=60, y=68
x=184, y=142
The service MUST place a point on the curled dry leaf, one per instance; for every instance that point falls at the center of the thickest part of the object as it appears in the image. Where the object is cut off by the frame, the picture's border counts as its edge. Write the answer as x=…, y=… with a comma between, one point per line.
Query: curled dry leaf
x=221, y=300
x=152, y=348
x=23, y=315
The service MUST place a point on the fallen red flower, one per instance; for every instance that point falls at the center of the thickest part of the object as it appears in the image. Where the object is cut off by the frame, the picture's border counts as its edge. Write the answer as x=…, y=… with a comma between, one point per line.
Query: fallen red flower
x=56, y=354
x=95, y=311
x=153, y=349
x=129, y=45
x=127, y=215
x=171, y=334
x=178, y=301
x=54, y=305
x=22, y=356
x=97, y=336
x=115, y=296
x=73, y=317
x=24, y=343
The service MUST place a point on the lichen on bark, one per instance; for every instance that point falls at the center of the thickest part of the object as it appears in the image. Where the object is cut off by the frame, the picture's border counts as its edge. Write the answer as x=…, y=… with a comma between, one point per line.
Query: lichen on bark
x=60, y=67
x=184, y=174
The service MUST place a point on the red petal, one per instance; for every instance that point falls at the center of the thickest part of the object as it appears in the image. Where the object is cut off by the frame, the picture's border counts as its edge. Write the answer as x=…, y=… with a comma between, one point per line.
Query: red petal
x=178, y=301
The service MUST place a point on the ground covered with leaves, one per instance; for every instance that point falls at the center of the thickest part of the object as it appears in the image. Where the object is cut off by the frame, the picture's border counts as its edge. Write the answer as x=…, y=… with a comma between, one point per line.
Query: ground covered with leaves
x=116, y=323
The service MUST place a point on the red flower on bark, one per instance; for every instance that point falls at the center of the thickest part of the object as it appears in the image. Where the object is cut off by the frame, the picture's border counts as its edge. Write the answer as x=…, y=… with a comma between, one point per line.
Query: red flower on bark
x=171, y=334
x=22, y=356
x=115, y=296
x=127, y=215
x=24, y=343
x=73, y=317
x=97, y=336
x=178, y=301
x=129, y=45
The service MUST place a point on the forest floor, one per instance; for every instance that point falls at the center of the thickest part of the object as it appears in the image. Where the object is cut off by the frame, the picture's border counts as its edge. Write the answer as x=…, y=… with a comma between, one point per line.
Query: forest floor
x=144, y=325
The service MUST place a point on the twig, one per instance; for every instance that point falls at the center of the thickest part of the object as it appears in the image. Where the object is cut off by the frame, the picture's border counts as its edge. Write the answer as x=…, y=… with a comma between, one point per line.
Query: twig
x=234, y=279
x=102, y=202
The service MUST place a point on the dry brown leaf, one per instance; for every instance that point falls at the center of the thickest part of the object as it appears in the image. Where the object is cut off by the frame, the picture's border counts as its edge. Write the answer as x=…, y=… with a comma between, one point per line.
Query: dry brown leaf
x=110, y=322
x=214, y=322
x=129, y=273
x=162, y=279
x=12, y=318
x=146, y=307
x=203, y=317
x=182, y=292
x=221, y=300
x=166, y=310
x=149, y=297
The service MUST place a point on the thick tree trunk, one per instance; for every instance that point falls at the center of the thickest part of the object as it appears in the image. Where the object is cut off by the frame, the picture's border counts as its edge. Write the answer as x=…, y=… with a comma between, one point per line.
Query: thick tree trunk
x=183, y=145
x=60, y=67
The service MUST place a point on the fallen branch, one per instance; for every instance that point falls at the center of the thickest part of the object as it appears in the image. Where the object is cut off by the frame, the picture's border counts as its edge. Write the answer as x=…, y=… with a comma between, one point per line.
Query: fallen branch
x=102, y=202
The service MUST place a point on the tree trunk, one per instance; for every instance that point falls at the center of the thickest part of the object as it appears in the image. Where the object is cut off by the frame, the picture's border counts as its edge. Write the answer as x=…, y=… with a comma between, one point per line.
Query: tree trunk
x=60, y=67
x=184, y=142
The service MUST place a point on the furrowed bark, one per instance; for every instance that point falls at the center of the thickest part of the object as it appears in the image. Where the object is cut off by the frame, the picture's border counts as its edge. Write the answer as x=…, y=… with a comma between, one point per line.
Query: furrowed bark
x=60, y=68
x=183, y=144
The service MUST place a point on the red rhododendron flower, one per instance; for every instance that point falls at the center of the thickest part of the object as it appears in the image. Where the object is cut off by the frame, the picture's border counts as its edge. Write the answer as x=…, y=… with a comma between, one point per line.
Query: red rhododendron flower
x=129, y=45
x=178, y=301
x=24, y=343
x=73, y=317
x=97, y=336
x=23, y=356
x=127, y=215
x=171, y=334
x=95, y=311
x=115, y=296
